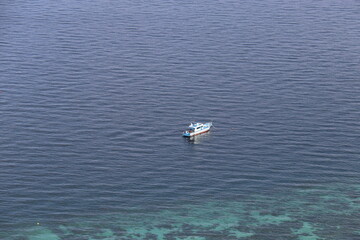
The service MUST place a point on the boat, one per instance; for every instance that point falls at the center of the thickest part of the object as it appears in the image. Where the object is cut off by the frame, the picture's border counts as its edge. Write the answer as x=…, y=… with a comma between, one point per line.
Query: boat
x=197, y=128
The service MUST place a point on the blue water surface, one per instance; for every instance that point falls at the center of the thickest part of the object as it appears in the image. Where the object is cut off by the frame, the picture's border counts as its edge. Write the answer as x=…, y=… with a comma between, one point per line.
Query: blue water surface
x=94, y=96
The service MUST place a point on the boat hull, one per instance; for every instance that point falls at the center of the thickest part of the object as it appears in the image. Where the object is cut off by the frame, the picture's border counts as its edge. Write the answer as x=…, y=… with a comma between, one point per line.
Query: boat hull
x=196, y=133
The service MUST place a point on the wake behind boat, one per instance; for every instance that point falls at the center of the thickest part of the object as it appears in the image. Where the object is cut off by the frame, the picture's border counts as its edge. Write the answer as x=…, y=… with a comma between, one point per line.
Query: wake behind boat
x=197, y=128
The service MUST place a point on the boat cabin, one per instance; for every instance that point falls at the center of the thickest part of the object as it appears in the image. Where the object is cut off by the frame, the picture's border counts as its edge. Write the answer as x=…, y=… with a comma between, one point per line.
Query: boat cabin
x=193, y=127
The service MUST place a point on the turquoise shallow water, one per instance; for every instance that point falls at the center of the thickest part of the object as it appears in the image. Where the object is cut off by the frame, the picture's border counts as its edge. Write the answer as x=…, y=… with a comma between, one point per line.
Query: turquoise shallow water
x=308, y=214
x=94, y=96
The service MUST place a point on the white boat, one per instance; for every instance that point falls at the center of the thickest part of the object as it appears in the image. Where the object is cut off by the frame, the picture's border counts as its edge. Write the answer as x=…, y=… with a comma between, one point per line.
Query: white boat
x=197, y=128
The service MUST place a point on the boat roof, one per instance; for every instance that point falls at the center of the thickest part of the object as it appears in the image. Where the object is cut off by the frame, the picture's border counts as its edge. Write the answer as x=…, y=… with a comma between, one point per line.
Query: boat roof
x=194, y=125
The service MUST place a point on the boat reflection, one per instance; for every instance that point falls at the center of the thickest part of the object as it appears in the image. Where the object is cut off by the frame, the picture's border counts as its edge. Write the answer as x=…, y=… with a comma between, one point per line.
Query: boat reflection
x=197, y=139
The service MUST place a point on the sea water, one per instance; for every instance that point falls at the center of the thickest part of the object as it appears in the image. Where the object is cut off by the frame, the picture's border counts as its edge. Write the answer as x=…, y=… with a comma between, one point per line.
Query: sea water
x=94, y=96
